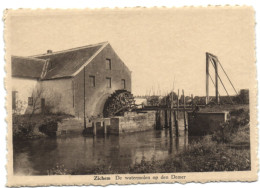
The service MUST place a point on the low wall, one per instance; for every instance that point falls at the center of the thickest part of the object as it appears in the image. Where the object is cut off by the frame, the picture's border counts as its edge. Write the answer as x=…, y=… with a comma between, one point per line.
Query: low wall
x=70, y=125
x=76, y=125
x=203, y=123
x=132, y=122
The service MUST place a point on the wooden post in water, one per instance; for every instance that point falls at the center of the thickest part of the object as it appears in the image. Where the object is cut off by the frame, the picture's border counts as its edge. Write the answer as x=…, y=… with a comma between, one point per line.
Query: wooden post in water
x=171, y=107
x=176, y=123
x=178, y=103
x=192, y=102
x=104, y=127
x=165, y=118
x=94, y=128
x=158, y=120
x=184, y=112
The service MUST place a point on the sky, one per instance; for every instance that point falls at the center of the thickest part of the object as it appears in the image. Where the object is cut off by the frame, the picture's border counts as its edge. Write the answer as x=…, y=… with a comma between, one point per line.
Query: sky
x=164, y=48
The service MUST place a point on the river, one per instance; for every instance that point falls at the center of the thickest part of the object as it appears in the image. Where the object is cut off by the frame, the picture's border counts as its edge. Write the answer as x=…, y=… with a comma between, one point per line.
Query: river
x=36, y=157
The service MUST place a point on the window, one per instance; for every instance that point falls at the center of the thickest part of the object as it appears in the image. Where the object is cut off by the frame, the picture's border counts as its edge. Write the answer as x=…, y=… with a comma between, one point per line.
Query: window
x=92, y=81
x=108, y=64
x=123, y=83
x=14, y=99
x=108, y=82
x=30, y=101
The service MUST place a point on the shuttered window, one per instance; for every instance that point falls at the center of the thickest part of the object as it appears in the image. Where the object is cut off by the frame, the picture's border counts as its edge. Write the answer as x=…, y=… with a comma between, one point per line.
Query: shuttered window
x=108, y=82
x=108, y=64
x=123, y=83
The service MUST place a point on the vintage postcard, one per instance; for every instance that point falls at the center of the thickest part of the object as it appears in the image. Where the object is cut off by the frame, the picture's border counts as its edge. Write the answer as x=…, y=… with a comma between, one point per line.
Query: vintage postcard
x=134, y=95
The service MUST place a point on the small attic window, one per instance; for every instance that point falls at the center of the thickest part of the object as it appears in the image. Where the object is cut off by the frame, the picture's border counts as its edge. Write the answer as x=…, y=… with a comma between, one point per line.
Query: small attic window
x=108, y=64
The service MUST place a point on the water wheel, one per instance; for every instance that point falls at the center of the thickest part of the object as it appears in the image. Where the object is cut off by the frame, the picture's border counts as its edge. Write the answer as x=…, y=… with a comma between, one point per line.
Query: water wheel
x=118, y=103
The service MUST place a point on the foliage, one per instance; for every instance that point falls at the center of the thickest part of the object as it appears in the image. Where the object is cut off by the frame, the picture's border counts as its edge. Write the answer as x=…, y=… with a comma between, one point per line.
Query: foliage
x=172, y=96
x=207, y=155
x=228, y=130
x=19, y=107
x=38, y=125
x=37, y=94
x=144, y=166
x=59, y=169
x=224, y=133
x=22, y=128
x=153, y=100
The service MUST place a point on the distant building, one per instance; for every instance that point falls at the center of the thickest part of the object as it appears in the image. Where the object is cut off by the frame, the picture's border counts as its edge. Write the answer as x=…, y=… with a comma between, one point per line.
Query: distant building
x=58, y=82
x=140, y=101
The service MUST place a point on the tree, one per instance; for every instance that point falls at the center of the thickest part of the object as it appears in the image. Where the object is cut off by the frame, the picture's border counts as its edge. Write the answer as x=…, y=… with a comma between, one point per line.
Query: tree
x=37, y=94
x=171, y=97
x=53, y=100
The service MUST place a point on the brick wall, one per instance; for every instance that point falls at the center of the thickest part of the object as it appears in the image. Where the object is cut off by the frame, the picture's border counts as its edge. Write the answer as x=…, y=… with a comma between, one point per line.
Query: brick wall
x=132, y=122
x=96, y=96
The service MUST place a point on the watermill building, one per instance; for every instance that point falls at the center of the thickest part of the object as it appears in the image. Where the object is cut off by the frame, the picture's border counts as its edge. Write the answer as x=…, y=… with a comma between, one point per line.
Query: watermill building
x=76, y=81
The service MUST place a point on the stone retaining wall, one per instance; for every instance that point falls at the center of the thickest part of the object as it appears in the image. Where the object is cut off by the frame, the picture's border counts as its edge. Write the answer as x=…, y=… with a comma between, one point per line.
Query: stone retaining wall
x=132, y=122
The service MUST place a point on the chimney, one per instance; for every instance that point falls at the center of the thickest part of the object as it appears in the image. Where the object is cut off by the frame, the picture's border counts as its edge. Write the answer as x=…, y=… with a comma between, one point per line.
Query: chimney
x=49, y=51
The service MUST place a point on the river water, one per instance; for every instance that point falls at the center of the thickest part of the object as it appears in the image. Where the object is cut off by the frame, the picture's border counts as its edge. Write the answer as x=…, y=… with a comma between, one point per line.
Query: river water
x=36, y=157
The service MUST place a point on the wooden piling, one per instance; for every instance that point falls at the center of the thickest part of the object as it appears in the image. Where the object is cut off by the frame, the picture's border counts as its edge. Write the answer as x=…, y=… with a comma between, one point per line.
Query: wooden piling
x=165, y=119
x=158, y=120
x=178, y=103
x=94, y=128
x=171, y=110
x=104, y=127
x=184, y=111
x=192, y=102
x=170, y=118
x=176, y=123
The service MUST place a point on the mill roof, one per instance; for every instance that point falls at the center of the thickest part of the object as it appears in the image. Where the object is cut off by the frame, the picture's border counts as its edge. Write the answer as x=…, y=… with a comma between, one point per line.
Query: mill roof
x=61, y=64
x=27, y=67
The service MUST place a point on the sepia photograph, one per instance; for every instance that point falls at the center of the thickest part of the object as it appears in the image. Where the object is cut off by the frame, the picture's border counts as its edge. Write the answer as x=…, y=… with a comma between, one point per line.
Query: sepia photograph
x=131, y=95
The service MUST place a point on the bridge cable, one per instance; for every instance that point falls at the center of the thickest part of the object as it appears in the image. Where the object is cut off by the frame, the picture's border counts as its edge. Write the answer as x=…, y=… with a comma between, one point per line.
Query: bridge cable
x=213, y=83
x=227, y=77
x=230, y=81
x=220, y=79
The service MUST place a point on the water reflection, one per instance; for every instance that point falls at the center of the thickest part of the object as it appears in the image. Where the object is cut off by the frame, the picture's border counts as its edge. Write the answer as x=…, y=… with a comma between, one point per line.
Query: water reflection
x=38, y=156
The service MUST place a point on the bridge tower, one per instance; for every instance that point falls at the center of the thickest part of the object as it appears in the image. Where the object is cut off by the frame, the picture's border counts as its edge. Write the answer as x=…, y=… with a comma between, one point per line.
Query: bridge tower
x=214, y=60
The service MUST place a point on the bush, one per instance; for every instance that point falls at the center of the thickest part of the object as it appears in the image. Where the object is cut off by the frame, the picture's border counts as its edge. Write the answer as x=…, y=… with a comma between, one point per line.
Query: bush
x=144, y=166
x=223, y=135
x=22, y=127
x=35, y=126
x=229, y=130
x=59, y=170
x=207, y=155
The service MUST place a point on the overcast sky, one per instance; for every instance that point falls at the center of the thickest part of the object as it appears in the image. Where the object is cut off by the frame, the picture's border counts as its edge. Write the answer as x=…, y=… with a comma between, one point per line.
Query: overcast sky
x=161, y=47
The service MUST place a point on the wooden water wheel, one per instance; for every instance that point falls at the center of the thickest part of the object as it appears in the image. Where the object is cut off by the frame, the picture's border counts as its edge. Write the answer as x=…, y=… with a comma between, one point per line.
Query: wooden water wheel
x=118, y=103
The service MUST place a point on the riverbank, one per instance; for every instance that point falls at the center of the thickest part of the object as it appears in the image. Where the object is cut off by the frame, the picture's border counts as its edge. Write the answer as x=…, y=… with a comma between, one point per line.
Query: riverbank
x=201, y=156
x=228, y=149
x=36, y=126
